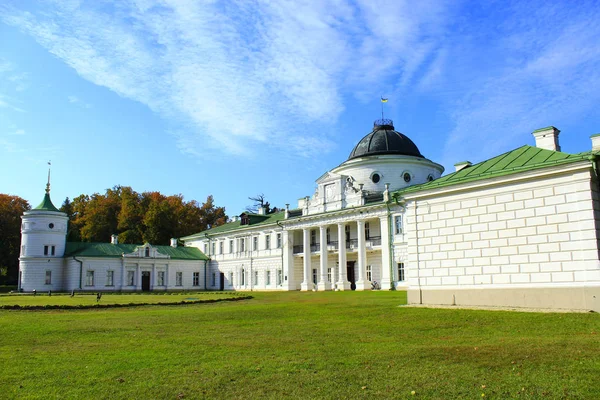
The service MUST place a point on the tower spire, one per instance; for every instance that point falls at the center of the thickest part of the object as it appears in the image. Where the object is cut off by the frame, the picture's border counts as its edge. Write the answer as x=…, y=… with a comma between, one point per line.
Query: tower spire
x=383, y=100
x=48, y=184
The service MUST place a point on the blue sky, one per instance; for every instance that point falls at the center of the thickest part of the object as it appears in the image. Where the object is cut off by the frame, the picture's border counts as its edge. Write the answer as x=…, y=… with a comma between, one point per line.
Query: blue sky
x=236, y=98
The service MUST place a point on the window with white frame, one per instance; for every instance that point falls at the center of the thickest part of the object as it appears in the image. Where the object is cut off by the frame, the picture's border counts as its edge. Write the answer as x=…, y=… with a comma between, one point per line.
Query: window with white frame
x=329, y=274
x=214, y=279
x=49, y=250
x=279, y=277
x=369, y=272
x=243, y=277
x=267, y=242
x=347, y=231
x=398, y=227
x=313, y=237
x=255, y=278
x=279, y=240
x=89, y=278
x=214, y=246
x=231, y=278
x=130, y=278
x=179, y=279
x=196, y=279
x=242, y=245
x=268, y=278
x=231, y=246
x=48, y=280
x=147, y=251
x=205, y=248
x=110, y=278
x=160, y=279
x=367, y=231
x=328, y=231
x=255, y=243
x=401, y=272
x=221, y=247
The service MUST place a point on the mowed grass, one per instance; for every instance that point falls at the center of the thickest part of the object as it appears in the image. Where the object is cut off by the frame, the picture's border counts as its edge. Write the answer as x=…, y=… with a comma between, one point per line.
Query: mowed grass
x=299, y=345
x=89, y=299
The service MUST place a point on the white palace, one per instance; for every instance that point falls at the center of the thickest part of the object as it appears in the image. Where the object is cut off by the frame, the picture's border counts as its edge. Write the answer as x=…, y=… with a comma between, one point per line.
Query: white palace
x=517, y=230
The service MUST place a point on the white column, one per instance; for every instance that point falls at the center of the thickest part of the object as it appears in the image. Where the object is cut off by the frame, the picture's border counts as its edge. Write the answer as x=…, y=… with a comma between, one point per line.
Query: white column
x=167, y=277
x=123, y=283
x=342, y=283
x=287, y=243
x=386, y=278
x=361, y=282
x=324, y=283
x=307, y=283
x=138, y=278
x=153, y=280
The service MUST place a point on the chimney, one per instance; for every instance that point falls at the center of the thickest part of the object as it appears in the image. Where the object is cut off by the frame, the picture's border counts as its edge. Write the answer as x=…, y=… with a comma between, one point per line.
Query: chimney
x=261, y=210
x=287, y=211
x=547, y=138
x=234, y=218
x=462, y=165
x=595, y=142
x=114, y=239
x=173, y=242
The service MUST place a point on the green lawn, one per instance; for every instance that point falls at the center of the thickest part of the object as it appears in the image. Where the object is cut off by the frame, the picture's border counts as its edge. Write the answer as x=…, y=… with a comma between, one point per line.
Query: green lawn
x=299, y=345
x=89, y=299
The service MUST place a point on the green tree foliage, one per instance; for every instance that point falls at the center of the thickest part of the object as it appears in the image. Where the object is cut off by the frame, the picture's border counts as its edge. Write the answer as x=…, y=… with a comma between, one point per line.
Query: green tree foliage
x=138, y=218
x=11, y=209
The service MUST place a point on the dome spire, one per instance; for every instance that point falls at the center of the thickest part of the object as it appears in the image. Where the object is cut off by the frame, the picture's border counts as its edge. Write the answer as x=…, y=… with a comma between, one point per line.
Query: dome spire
x=48, y=184
x=46, y=204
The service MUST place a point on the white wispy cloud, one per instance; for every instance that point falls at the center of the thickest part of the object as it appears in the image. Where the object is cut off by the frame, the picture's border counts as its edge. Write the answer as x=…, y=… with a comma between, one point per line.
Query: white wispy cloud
x=76, y=100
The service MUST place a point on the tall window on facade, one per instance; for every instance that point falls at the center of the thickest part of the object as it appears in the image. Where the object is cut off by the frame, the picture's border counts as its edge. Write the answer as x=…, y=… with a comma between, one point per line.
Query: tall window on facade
x=130, y=278
x=160, y=279
x=231, y=278
x=400, y=272
x=46, y=248
x=242, y=245
x=268, y=278
x=196, y=279
x=255, y=278
x=110, y=278
x=243, y=277
x=255, y=243
x=221, y=247
x=313, y=237
x=231, y=246
x=205, y=248
x=48, y=280
x=398, y=228
x=52, y=250
x=214, y=279
x=367, y=231
x=347, y=231
x=314, y=276
x=329, y=274
x=328, y=235
x=369, y=272
x=268, y=242
x=279, y=240
x=179, y=279
x=147, y=251
x=279, y=277
x=89, y=278
x=214, y=245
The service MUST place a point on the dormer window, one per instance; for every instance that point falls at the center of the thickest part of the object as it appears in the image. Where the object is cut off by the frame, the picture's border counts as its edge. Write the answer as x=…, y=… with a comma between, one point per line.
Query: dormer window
x=245, y=219
x=147, y=251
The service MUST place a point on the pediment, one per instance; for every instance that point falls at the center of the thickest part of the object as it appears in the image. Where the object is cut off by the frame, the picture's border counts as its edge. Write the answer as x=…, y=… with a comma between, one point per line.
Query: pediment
x=145, y=251
x=328, y=177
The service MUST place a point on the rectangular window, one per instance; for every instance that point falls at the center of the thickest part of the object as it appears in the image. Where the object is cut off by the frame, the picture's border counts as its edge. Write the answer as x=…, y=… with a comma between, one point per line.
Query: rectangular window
x=369, y=272
x=255, y=278
x=196, y=279
x=242, y=245
x=110, y=278
x=328, y=235
x=221, y=247
x=214, y=245
x=347, y=231
x=231, y=278
x=160, y=280
x=279, y=240
x=52, y=250
x=205, y=248
x=268, y=278
x=267, y=242
x=130, y=278
x=214, y=279
x=400, y=272
x=329, y=274
x=46, y=250
x=367, y=231
x=279, y=277
x=313, y=237
x=314, y=276
x=398, y=225
x=179, y=279
x=231, y=246
x=48, y=278
x=89, y=278
x=255, y=243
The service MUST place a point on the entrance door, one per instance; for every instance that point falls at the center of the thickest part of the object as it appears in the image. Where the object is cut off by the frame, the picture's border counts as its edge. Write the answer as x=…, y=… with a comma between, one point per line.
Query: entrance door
x=145, y=281
x=221, y=281
x=350, y=273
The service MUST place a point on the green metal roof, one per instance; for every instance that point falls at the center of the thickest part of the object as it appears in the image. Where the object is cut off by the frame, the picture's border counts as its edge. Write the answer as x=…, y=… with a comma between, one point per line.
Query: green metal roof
x=525, y=158
x=46, y=204
x=231, y=226
x=83, y=249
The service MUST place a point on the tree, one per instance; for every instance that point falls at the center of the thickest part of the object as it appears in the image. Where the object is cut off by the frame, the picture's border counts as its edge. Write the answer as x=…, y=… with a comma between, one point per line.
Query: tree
x=11, y=209
x=260, y=202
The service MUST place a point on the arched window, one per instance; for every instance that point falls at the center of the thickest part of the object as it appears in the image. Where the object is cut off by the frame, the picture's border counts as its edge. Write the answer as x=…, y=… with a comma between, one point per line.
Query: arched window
x=147, y=251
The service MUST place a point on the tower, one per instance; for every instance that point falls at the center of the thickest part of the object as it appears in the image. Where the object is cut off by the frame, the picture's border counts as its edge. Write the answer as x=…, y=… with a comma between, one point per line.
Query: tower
x=43, y=240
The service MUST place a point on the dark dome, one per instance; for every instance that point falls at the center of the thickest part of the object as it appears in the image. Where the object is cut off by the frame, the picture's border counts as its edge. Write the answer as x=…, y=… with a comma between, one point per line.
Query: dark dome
x=385, y=140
